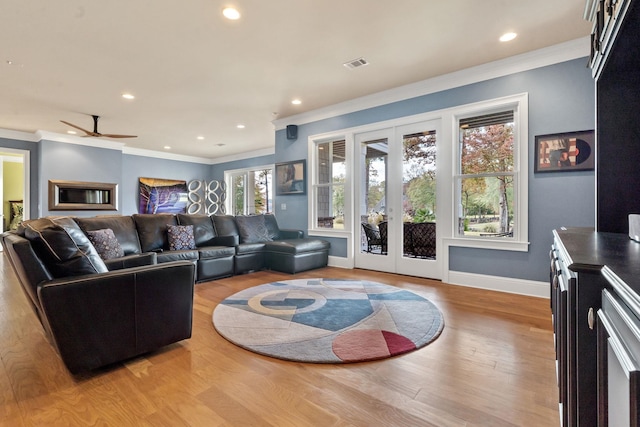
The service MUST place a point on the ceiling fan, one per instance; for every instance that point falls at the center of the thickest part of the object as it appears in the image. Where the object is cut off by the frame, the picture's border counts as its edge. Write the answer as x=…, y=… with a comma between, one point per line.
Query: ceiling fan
x=95, y=130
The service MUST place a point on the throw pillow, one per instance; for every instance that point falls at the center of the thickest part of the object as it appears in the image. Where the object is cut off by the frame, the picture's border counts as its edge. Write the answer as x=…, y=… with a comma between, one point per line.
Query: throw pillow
x=105, y=242
x=252, y=229
x=181, y=237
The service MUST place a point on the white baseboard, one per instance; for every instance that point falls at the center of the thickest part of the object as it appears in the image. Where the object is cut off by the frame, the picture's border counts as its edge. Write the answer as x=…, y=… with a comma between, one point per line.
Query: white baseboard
x=342, y=262
x=481, y=281
x=502, y=284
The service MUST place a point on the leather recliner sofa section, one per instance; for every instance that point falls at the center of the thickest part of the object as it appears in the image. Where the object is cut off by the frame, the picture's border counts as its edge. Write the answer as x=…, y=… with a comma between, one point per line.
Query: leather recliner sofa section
x=223, y=245
x=260, y=243
x=93, y=316
x=101, y=309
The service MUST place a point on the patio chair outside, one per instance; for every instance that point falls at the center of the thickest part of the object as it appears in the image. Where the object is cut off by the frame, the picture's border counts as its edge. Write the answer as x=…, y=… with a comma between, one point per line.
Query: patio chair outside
x=373, y=238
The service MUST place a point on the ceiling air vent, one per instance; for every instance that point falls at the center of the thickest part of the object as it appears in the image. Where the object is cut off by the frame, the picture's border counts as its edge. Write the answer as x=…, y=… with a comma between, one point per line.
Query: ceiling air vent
x=356, y=63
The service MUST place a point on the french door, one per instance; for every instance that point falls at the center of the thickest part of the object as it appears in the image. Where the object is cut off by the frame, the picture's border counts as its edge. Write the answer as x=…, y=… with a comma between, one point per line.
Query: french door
x=397, y=200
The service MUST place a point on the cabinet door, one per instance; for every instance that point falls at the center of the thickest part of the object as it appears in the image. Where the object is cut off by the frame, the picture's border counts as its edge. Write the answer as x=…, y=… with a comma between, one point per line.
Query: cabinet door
x=618, y=366
x=562, y=353
x=560, y=313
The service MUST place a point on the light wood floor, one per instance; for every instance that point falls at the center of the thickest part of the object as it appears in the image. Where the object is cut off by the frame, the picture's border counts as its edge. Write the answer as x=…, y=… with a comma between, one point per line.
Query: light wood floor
x=493, y=365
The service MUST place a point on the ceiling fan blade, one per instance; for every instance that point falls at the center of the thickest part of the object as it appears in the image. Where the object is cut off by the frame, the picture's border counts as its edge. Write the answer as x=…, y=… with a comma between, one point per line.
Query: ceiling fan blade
x=95, y=130
x=110, y=135
x=88, y=132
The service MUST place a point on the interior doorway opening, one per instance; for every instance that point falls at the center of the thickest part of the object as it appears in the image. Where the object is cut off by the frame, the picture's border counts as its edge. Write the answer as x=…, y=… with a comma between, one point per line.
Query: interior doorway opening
x=14, y=188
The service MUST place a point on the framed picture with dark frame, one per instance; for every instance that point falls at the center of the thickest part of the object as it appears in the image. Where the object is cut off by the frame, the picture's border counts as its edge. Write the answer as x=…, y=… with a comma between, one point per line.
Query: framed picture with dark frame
x=291, y=178
x=565, y=152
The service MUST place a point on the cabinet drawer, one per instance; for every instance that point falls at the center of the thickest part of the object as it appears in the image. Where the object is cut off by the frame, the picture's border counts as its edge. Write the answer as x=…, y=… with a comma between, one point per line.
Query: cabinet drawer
x=618, y=363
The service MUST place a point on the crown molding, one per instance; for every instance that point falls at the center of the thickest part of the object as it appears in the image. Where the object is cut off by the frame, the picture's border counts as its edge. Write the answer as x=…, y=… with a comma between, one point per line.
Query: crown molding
x=18, y=135
x=574, y=49
x=163, y=155
x=244, y=156
x=78, y=140
x=102, y=143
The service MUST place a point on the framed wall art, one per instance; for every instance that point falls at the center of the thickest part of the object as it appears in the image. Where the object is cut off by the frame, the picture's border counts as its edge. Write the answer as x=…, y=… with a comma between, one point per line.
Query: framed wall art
x=565, y=152
x=162, y=196
x=291, y=178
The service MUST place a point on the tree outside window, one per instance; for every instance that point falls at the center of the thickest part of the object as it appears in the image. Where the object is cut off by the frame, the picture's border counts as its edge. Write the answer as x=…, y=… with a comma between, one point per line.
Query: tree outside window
x=486, y=179
x=250, y=191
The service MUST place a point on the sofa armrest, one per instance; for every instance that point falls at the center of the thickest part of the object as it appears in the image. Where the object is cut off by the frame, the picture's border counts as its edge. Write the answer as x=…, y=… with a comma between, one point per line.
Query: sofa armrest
x=287, y=233
x=226, y=241
x=98, y=319
x=133, y=260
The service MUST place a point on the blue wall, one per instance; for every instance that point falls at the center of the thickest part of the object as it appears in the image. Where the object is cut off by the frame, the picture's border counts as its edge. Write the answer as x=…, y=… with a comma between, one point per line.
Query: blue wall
x=561, y=99
x=217, y=170
x=72, y=162
x=135, y=167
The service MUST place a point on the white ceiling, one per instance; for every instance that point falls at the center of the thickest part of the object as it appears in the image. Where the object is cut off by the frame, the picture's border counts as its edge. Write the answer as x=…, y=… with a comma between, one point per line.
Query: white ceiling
x=195, y=73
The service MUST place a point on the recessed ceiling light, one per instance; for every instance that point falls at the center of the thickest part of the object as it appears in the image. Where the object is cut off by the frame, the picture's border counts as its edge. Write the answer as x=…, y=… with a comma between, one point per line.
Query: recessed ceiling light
x=506, y=37
x=72, y=132
x=167, y=147
x=128, y=96
x=296, y=102
x=240, y=126
x=231, y=13
x=200, y=137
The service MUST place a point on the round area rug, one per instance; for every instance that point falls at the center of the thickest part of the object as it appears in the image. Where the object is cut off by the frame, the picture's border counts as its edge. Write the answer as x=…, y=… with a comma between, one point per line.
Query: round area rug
x=328, y=320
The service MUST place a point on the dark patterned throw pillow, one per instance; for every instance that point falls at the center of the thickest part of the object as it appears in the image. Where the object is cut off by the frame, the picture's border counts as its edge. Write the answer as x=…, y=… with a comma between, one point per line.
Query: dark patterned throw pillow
x=252, y=229
x=106, y=243
x=181, y=237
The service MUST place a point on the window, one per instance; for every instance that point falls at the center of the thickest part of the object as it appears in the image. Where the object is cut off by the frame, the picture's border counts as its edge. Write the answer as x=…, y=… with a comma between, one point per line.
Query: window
x=329, y=185
x=490, y=179
x=250, y=191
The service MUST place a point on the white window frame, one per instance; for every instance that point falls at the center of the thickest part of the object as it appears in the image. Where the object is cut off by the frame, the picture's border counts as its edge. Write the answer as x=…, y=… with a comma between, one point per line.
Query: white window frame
x=520, y=240
x=228, y=179
x=314, y=141
x=447, y=161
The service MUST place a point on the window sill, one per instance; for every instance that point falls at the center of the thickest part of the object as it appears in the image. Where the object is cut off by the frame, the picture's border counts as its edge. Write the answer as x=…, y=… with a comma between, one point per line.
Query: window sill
x=326, y=232
x=495, y=244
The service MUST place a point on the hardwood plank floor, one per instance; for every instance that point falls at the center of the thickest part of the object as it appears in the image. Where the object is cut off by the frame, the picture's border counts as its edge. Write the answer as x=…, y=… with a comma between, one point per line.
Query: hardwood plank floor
x=493, y=365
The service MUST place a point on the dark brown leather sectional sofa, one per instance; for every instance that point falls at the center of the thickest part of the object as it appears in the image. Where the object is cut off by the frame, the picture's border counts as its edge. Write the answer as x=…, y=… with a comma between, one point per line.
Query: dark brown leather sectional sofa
x=99, y=311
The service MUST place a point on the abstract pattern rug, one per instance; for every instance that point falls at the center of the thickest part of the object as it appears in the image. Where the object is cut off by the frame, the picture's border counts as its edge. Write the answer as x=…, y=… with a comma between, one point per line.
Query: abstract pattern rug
x=328, y=320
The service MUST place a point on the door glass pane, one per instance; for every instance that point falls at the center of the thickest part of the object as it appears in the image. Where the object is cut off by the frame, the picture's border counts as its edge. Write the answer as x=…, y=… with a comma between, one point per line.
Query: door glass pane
x=261, y=194
x=419, y=195
x=373, y=212
x=237, y=184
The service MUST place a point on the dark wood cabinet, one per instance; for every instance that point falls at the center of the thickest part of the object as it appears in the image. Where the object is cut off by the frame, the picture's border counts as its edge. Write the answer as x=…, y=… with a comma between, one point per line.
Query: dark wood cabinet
x=595, y=302
x=577, y=298
x=615, y=62
x=618, y=361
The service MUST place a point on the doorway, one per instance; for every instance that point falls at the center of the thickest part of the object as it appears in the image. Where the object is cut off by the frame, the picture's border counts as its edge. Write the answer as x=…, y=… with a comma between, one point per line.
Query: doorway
x=397, y=200
x=14, y=191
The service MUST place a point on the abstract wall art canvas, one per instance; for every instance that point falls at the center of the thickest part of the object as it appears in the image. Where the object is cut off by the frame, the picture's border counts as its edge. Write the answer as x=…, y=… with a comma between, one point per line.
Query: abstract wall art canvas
x=162, y=196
